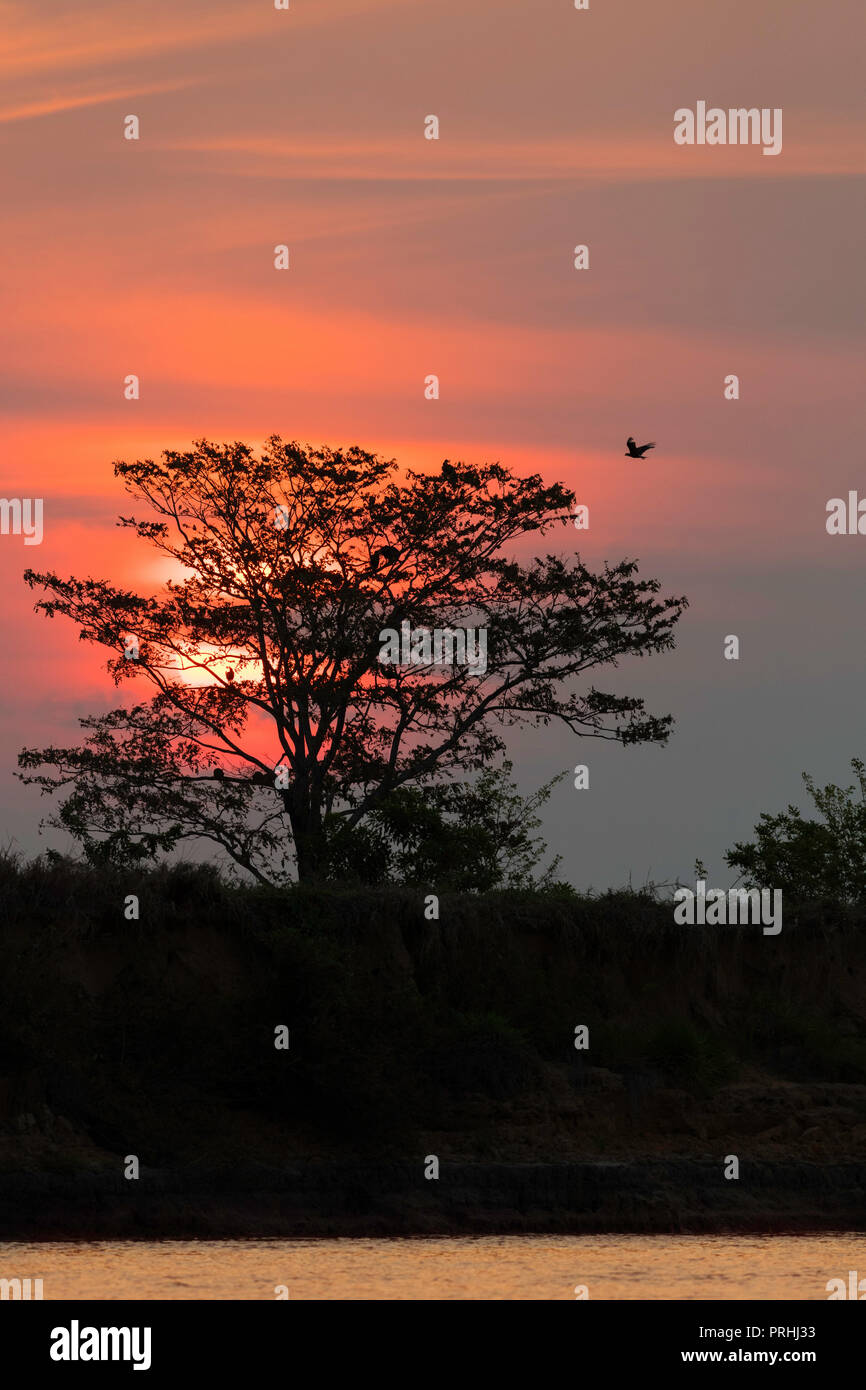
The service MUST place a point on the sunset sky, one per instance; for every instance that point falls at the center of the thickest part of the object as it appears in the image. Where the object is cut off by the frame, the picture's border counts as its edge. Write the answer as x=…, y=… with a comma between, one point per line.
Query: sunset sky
x=455, y=257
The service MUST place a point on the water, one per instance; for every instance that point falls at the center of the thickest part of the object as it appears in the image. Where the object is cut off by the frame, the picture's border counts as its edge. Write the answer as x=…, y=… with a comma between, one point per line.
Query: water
x=466, y=1267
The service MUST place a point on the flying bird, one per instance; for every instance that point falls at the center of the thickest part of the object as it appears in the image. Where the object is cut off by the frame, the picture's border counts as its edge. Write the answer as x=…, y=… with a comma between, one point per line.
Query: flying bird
x=636, y=451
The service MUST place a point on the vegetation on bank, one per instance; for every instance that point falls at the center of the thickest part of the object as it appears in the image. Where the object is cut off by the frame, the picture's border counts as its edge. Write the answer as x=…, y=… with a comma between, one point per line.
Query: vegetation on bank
x=817, y=857
x=156, y=1036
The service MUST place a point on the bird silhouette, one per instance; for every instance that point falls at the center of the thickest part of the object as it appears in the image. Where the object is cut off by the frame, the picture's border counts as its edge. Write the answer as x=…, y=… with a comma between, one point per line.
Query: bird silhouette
x=230, y=675
x=636, y=451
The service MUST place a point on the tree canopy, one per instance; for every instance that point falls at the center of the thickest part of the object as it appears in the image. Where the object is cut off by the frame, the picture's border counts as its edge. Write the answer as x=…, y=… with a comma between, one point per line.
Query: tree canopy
x=811, y=858
x=273, y=726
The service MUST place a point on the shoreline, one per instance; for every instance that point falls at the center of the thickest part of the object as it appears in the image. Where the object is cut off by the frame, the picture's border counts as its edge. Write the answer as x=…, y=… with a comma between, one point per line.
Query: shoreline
x=392, y=1198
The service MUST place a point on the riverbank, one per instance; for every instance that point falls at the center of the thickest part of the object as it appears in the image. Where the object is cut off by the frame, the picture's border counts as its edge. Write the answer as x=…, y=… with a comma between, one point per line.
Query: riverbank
x=284, y=1063
x=395, y=1199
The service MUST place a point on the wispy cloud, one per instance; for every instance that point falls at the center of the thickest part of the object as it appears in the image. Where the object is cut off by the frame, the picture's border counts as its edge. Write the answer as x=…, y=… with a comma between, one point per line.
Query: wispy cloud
x=630, y=157
x=104, y=32
x=52, y=106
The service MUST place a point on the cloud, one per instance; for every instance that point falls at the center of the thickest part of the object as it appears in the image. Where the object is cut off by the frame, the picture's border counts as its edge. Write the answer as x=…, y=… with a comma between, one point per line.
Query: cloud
x=52, y=106
x=627, y=157
x=100, y=33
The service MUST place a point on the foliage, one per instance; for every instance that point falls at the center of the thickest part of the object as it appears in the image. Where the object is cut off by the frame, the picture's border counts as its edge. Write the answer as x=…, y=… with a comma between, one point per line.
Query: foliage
x=274, y=729
x=459, y=836
x=808, y=859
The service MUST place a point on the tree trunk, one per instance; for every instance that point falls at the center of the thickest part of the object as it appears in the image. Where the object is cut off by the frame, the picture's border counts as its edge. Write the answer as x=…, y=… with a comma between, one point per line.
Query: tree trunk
x=306, y=822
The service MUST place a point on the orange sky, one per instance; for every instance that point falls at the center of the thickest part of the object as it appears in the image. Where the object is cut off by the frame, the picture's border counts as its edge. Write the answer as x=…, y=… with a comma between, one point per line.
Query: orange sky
x=454, y=257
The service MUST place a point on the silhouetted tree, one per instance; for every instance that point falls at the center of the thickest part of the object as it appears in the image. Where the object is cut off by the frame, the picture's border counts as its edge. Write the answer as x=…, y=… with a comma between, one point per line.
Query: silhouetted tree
x=466, y=836
x=806, y=859
x=274, y=729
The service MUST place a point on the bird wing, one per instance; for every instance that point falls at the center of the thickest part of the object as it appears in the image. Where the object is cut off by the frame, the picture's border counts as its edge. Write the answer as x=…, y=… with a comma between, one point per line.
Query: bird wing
x=629, y=443
x=648, y=446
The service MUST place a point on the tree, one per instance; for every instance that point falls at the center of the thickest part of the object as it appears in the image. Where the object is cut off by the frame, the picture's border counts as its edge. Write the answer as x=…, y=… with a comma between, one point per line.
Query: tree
x=811, y=858
x=275, y=728
x=466, y=836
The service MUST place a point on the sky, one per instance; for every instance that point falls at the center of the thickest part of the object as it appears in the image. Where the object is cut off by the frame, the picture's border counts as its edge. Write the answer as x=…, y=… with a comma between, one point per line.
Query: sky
x=455, y=256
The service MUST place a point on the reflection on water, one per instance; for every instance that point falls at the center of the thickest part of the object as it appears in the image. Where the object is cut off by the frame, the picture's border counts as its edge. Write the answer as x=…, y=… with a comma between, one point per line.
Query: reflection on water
x=465, y=1267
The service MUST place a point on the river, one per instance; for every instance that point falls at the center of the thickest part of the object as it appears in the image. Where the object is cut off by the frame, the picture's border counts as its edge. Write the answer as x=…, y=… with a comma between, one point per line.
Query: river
x=520, y=1267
